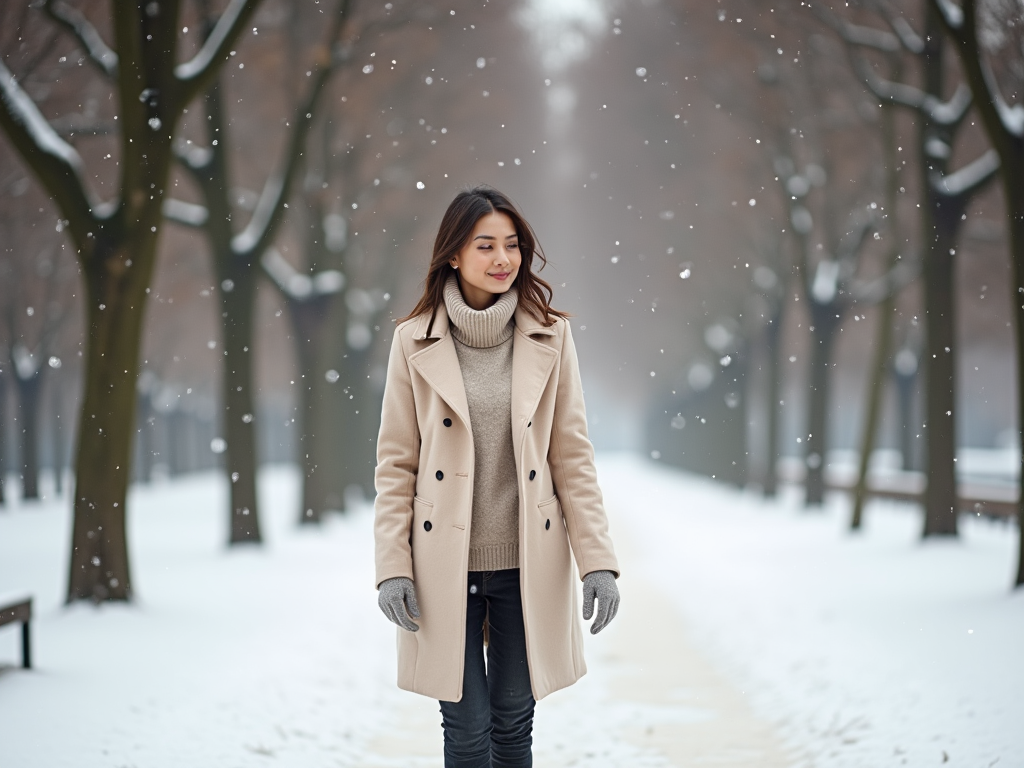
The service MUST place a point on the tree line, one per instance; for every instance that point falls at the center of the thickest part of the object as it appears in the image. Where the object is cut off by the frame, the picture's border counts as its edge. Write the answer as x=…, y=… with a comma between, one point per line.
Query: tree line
x=868, y=117
x=159, y=93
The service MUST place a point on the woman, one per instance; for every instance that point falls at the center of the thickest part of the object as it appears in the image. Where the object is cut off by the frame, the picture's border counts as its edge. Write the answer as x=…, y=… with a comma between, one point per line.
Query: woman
x=485, y=478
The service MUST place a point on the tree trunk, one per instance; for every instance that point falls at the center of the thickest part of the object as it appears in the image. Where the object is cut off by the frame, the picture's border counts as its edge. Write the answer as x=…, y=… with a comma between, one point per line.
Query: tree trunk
x=29, y=389
x=3, y=434
x=940, y=512
x=905, y=400
x=883, y=337
x=237, y=292
x=1013, y=190
x=772, y=372
x=57, y=436
x=876, y=390
x=360, y=420
x=116, y=298
x=822, y=342
x=310, y=321
x=145, y=435
x=335, y=355
x=940, y=225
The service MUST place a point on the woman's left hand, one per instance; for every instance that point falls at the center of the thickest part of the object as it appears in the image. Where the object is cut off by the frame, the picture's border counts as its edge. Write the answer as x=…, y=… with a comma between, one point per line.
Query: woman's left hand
x=600, y=585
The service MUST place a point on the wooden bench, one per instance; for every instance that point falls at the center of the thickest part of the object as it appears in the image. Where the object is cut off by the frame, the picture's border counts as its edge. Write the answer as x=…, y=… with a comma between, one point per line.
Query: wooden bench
x=992, y=500
x=19, y=610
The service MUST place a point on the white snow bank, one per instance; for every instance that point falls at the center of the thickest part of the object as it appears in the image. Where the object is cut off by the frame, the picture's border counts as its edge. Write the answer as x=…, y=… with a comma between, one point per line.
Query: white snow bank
x=875, y=649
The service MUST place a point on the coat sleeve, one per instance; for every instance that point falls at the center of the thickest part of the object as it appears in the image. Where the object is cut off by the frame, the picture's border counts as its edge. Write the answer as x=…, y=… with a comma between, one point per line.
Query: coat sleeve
x=398, y=449
x=572, y=466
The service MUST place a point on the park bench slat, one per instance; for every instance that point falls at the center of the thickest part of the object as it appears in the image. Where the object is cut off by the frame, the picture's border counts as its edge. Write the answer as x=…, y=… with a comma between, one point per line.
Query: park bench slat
x=19, y=610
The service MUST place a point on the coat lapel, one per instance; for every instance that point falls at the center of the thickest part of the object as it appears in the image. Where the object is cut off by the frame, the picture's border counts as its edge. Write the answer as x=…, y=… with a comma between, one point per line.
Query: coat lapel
x=438, y=363
x=532, y=363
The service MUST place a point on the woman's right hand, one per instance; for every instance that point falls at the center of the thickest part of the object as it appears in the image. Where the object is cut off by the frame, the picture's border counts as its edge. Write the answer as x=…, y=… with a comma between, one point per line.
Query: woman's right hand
x=397, y=598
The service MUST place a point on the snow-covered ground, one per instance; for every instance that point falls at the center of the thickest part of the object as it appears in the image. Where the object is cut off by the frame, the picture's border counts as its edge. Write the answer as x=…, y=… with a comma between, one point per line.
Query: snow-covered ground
x=874, y=649
x=751, y=633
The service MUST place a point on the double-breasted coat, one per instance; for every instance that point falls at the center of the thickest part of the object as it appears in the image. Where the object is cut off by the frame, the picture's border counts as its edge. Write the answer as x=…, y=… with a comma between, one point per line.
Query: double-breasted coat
x=424, y=504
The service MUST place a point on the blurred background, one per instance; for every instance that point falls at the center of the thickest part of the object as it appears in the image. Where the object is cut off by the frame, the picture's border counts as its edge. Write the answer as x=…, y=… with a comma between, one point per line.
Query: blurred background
x=724, y=193
x=791, y=239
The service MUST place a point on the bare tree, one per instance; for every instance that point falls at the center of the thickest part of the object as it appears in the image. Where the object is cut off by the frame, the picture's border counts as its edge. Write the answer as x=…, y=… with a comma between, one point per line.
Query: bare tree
x=882, y=348
x=116, y=241
x=236, y=257
x=946, y=196
x=1003, y=26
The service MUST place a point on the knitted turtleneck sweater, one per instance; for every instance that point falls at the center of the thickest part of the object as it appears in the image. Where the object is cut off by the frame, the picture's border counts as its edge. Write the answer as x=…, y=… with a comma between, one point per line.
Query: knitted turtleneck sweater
x=483, y=343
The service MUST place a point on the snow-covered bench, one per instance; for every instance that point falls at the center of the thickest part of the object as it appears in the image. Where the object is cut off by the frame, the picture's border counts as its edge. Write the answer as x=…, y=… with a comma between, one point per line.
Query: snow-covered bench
x=19, y=609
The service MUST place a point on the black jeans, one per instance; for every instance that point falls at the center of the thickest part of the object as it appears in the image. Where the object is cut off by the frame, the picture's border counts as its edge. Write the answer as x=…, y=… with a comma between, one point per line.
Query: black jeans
x=492, y=726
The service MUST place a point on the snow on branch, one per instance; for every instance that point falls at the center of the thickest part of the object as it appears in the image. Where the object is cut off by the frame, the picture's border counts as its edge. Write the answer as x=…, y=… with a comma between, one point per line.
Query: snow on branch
x=269, y=213
x=195, y=74
x=74, y=22
x=857, y=35
x=269, y=209
x=953, y=111
x=951, y=14
x=193, y=158
x=970, y=178
x=908, y=36
x=962, y=27
x=294, y=284
x=186, y=214
x=55, y=161
x=872, y=292
x=941, y=112
x=1012, y=117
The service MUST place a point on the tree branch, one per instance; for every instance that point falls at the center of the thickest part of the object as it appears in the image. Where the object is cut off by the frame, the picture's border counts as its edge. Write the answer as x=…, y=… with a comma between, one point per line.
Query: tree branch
x=876, y=291
x=194, y=159
x=909, y=39
x=961, y=25
x=185, y=214
x=952, y=17
x=947, y=113
x=72, y=20
x=195, y=75
x=55, y=162
x=969, y=179
x=850, y=245
x=269, y=212
x=855, y=34
x=295, y=285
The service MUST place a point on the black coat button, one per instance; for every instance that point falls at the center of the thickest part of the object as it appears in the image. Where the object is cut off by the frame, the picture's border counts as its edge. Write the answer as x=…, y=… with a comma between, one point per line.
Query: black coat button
x=426, y=525
x=533, y=473
x=447, y=422
x=439, y=475
x=547, y=524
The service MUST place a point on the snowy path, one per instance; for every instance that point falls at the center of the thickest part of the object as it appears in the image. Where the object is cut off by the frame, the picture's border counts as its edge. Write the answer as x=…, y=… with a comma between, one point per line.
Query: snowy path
x=751, y=634
x=649, y=699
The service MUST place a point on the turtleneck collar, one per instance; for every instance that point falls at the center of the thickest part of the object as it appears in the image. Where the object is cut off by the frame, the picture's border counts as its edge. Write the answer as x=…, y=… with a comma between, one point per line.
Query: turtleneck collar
x=480, y=327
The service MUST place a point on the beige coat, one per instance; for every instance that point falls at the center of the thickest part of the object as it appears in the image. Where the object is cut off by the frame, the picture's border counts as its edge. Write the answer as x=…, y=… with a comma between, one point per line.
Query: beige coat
x=424, y=503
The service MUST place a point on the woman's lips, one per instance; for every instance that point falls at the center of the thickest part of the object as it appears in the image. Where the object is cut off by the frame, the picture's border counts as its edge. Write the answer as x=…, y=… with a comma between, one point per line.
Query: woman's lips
x=500, y=275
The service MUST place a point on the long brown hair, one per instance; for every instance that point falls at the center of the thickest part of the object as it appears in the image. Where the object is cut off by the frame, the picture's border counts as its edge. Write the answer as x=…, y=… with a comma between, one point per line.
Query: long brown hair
x=456, y=228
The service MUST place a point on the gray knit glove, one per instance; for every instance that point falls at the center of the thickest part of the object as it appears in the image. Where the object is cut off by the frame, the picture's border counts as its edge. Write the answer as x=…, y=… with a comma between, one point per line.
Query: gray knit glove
x=600, y=585
x=397, y=598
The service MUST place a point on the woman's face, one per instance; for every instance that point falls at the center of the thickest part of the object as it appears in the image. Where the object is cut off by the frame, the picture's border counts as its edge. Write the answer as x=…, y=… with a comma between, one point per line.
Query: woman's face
x=489, y=262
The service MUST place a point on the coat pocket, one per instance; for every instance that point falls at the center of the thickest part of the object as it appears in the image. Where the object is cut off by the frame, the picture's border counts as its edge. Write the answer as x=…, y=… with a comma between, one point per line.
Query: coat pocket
x=422, y=511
